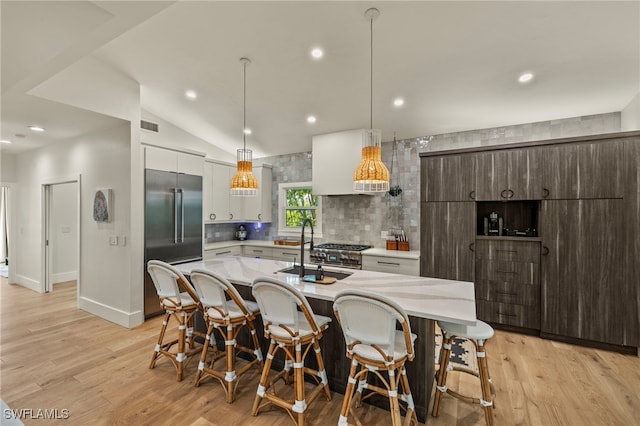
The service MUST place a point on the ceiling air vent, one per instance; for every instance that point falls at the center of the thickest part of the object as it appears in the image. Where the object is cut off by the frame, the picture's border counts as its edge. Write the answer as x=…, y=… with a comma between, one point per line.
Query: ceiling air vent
x=148, y=125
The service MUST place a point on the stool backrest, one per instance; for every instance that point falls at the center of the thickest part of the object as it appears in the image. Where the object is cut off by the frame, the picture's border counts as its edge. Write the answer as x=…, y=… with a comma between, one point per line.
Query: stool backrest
x=213, y=289
x=371, y=319
x=169, y=282
x=279, y=302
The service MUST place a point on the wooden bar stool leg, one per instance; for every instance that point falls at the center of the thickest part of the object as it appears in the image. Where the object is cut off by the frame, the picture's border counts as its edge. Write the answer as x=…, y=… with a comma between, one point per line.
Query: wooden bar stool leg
x=362, y=385
x=203, y=354
x=410, y=415
x=181, y=356
x=262, y=386
x=441, y=387
x=321, y=371
x=256, y=344
x=300, y=404
x=396, y=419
x=230, y=377
x=348, y=394
x=487, y=398
x=156, y=352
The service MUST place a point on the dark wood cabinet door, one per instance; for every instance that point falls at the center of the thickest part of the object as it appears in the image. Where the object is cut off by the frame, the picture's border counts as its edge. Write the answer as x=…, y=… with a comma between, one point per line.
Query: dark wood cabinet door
x=447, y=239
x=505, y=175
x=584, y=291
x=583, y=171
x=448, y=178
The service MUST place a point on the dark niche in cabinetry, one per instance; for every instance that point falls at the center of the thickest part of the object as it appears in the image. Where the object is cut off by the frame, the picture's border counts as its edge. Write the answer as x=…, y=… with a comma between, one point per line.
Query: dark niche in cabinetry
x=519, y=218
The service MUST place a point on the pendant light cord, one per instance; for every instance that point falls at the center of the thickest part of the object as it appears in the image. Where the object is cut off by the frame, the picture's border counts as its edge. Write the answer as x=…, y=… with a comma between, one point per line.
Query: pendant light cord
x=244, y=110
x=371, y=80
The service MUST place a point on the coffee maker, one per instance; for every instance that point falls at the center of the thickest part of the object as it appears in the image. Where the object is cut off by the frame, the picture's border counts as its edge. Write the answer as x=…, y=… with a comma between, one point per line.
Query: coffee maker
x=493, y=224
x=241, y=233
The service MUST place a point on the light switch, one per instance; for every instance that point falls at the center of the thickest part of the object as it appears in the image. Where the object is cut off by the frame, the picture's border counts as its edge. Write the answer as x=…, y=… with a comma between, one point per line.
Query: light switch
x=113, y=240
x=123, y=240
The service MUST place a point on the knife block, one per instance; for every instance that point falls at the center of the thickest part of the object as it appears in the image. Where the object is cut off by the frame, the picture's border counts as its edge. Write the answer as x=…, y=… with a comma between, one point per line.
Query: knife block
x=403, y=245
x=392, y=245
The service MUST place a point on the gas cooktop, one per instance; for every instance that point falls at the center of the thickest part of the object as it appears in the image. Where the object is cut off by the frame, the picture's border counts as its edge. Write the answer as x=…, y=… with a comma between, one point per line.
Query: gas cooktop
x=345, y=247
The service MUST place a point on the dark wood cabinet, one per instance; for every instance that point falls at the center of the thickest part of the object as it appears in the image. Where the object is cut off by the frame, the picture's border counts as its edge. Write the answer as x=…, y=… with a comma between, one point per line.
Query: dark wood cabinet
x=448, y=178
x=508, y=282
x=448, y=236
x=583, y=171
x=586, y=294
x=512, y=174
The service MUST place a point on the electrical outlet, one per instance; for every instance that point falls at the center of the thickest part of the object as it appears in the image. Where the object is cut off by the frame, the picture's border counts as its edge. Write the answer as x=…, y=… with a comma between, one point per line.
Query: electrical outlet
x=113, y=240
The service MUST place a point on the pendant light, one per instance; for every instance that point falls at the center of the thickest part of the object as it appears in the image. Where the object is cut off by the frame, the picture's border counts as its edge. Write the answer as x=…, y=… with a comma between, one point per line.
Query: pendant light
x=371, y=175
x=244, y=183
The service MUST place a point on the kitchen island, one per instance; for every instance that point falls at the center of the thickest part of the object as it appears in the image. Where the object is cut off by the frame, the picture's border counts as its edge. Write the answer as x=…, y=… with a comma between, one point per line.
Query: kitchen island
x=424, y=299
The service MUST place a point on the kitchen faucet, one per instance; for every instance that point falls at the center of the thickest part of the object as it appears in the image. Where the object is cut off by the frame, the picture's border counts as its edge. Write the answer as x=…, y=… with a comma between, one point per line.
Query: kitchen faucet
x=304, y=223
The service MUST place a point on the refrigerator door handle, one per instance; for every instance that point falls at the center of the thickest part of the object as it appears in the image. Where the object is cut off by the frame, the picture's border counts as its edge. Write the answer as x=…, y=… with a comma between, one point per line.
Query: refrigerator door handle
x=181, y=190
x=175, y=215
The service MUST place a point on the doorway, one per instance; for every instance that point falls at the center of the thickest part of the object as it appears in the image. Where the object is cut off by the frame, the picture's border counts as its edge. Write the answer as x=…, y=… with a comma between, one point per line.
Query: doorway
x=61, y=234
x=5, y=226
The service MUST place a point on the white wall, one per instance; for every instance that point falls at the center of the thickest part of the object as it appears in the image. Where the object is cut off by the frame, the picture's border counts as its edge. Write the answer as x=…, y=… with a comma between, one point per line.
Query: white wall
x=171, y=136
x=7, y=167
x=630, y=115
x=103, y=161
x=63, y=233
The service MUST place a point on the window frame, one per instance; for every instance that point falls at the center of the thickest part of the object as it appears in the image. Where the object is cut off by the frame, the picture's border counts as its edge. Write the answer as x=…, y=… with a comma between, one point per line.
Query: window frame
x=282, y=208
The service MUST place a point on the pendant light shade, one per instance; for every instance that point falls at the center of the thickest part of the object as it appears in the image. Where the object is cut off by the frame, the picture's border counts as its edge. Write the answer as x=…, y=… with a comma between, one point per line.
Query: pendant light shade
x=371, y=175
x=244, y=183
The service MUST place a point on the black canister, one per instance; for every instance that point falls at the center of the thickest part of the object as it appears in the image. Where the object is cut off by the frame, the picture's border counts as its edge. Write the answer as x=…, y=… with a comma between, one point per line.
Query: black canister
x=319, y=273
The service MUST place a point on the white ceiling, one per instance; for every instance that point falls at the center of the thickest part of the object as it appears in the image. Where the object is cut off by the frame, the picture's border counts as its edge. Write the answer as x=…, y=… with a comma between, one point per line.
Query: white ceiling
x=454, y=63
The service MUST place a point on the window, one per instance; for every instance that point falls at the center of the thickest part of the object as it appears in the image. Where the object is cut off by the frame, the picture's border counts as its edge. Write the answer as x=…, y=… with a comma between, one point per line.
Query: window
x=295, y=203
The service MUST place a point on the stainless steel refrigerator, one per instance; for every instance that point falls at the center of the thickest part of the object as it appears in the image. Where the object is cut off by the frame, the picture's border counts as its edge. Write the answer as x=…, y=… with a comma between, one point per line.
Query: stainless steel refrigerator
x=172, y=224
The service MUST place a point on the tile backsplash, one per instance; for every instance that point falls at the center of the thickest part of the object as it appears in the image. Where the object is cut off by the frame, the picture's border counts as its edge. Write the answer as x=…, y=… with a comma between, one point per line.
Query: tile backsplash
x=361, y=218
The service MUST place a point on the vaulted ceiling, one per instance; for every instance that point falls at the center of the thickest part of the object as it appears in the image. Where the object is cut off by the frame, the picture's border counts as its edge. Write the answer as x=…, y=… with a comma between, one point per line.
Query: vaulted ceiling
x=455, y=64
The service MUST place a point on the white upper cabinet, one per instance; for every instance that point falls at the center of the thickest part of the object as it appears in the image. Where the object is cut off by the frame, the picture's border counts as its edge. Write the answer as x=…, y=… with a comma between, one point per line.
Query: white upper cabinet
x=220, y=206
x=258, y=208
x=173, y=161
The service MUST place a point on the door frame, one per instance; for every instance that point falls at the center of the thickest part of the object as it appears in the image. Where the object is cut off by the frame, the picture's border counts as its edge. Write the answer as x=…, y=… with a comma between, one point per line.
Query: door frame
x=45, y=270
x=11, y=246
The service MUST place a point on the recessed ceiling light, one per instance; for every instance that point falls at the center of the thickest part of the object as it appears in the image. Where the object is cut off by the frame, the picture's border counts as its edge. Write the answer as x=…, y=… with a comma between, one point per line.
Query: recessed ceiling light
x=247, y=131
x=398, y=102
x=525, y=77
x=191, y=94
x=311, y=119
x=37, y=128
x=4, y=141
x=317, y=53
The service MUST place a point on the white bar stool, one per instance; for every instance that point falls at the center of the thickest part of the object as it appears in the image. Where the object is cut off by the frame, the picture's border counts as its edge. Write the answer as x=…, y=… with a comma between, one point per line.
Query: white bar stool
x=477, y=334
x=296, y=333
x=374, y=345
x=229, y=317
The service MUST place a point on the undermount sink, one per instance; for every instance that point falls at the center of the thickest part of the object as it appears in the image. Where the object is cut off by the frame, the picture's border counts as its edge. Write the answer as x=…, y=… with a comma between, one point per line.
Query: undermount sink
x=310, y=270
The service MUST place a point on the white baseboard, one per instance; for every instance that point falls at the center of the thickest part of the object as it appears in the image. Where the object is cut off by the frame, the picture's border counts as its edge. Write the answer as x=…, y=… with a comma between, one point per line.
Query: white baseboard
x=117, y=316
x=28, y=283
x=63, y=277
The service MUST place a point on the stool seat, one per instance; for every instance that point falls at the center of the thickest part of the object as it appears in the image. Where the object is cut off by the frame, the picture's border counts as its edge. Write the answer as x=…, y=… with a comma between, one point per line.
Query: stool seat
x=304, y=328
x=234, y=311
x=480, y=331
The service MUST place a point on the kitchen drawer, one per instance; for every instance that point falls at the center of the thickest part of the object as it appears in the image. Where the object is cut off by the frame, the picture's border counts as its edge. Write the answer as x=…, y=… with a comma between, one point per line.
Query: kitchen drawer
x=224, y=251
x=395, y=265
x=514, y=251
x=279, y=253
x=511, y=272
x=505, y=292
x=514, y=315
x=261, y=252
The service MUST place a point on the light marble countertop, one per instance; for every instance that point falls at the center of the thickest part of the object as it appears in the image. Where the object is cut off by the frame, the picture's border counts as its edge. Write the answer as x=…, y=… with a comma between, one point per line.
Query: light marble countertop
x=423, y=297
x=413, y=254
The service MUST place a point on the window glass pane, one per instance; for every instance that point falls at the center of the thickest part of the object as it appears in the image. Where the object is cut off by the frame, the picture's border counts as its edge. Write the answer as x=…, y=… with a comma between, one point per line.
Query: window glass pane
x=301, y=197
x=296, y=216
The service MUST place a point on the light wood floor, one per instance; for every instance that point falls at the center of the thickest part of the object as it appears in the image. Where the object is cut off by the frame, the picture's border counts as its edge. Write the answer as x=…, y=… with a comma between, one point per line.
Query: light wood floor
x=54, y=356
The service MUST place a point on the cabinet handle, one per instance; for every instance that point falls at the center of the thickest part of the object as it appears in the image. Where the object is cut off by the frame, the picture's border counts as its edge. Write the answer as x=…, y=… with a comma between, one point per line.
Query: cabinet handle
x=472, y=195
x=288, y=254
x=472, y=246
x=388, y=263
x=223, y=252
x=545, y=250
x=230, y=216
x=505, y=272
x=505, y=315
x=502, y=194
x=259, y=216
x=545, y=192
x=507, y=293
x=510, y=193
x=212, y=216
x=258, y=251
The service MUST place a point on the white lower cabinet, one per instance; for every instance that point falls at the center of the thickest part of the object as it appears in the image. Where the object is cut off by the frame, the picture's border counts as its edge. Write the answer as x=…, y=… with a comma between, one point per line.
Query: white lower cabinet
x=394, y=265
x=257, y=251
x=223, y=251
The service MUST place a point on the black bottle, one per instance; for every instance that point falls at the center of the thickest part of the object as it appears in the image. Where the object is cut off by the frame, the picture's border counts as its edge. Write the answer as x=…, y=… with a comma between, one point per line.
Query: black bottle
x=319, y=273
